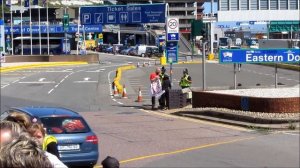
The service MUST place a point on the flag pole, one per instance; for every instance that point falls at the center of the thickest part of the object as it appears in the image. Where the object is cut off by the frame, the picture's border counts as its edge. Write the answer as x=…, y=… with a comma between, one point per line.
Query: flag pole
x=21, y=11
x=48, y=43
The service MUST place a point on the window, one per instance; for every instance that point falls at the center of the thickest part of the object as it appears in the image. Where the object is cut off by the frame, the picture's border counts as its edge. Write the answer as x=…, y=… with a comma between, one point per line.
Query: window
x=254, y=4
x=283, y=4
x=234, y=5
x=64, y=125
x=224, y=5
x=273, y=4
x=264, y=5
x=244, y=4
x=294, y=4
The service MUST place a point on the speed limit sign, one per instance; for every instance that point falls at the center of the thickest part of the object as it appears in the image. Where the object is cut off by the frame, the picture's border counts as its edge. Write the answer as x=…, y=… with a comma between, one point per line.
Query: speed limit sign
x=172, y=25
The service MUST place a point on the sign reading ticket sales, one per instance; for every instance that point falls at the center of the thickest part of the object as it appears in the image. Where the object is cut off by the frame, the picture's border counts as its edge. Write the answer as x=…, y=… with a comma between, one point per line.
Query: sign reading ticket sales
x=123, y=14
x=259, y=56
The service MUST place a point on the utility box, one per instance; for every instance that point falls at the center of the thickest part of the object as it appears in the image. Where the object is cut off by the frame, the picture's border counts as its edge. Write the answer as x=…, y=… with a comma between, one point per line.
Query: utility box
x=177, y=99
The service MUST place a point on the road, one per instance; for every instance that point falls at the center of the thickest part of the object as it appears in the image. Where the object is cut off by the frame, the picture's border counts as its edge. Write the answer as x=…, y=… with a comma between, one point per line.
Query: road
x=142, y=138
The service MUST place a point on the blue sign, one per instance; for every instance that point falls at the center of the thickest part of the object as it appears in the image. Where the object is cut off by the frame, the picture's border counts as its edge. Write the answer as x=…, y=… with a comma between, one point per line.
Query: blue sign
x=245, y=103
x=54, y=29
x=173, y=37
x=172, y=51
x=123, y=14
x=259, y=55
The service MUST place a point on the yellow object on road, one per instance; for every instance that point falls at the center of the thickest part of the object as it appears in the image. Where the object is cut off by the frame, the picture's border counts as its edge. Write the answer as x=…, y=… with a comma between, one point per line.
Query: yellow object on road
x=163, y=60
x=211, y=56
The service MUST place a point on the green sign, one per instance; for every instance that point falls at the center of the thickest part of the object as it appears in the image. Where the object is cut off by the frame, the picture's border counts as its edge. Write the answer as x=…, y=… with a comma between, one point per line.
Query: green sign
x=198, y=28
x=66, y=21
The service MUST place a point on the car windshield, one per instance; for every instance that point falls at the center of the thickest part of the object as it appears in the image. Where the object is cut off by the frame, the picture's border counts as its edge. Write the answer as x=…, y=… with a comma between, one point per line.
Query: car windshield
x=64, y=125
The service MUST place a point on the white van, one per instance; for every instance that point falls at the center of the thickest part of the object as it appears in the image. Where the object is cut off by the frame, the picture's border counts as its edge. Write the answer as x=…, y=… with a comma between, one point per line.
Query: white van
x=141, y=50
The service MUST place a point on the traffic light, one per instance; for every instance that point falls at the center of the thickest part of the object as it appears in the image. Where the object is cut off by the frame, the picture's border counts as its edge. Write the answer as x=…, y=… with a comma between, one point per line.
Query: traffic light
x=66, y=21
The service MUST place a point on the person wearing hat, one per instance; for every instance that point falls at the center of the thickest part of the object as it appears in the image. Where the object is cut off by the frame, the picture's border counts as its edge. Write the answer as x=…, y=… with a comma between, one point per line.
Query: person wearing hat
x=186, y=80
x=166, y=85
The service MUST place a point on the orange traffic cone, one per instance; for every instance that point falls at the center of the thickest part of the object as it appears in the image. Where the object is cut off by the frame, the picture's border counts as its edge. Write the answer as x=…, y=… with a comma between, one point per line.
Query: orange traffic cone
x=140, y=99
x=124, y=94
x=144, y=64
x=116, y=91
x=138, y=64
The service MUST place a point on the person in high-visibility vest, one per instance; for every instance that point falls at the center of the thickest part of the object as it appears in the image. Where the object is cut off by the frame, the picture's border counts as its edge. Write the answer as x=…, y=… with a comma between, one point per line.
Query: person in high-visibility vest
x=186, y=80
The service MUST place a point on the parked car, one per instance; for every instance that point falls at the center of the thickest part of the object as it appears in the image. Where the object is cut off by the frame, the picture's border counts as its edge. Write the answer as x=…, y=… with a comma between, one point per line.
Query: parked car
x=77, y=143
x=141, y=50
x=152, y=52
x=101, y=47
x=109, y=50
x=126, y=51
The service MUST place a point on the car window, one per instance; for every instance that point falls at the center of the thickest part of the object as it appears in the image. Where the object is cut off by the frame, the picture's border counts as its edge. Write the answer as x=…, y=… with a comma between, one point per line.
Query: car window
x=3, y=115
x=64, y=125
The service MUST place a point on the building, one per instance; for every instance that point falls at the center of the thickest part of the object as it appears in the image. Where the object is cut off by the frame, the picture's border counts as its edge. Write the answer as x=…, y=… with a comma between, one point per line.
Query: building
x=185, y=10
x=281, y=16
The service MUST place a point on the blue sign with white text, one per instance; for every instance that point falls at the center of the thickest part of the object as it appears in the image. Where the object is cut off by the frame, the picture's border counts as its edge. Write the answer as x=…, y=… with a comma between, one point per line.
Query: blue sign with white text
x=259, y=55
x=172, y=52
x=54, y=29
x=123, y=14
x=173, y=37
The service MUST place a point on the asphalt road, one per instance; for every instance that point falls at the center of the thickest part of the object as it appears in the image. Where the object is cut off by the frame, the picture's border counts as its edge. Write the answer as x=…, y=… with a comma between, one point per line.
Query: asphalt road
x=141, y=138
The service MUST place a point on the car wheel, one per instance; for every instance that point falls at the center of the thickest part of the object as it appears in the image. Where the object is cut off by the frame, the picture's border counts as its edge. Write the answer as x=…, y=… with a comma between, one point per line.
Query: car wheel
x=143, y=55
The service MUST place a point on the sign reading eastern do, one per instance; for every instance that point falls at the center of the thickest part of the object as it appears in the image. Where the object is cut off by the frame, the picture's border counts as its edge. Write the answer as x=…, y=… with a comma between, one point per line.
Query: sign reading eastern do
x=123, y=14
x=259, y=55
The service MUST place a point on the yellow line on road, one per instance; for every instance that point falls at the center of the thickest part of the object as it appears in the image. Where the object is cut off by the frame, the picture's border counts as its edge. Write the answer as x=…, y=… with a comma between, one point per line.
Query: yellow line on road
x=182, y=150
x=197, y=120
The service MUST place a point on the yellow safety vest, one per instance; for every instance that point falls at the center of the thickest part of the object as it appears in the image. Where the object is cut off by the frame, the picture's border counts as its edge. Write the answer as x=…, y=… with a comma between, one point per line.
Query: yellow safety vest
x=184, y=82
x=47, y=140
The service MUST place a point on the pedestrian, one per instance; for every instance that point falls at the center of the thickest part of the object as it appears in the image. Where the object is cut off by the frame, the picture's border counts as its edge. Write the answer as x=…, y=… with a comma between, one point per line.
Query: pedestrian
x=155, y=86
x=161, y=77
x=110, y=162
x=185, y=83
x=49, y=142
x=8, y=131
x=166, y=86
x=22, y=119
x=23, y=152
x=239, y=67
x=186, y=80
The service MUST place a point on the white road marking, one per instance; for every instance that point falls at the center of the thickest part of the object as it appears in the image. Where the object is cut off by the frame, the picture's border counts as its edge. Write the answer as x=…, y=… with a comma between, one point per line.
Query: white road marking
x=41, y=79
x=4, y=86
x=86, y=81
x=36, y=82
x=288, y=133
x=16, y=81
x=119, y=103
x=50, y=91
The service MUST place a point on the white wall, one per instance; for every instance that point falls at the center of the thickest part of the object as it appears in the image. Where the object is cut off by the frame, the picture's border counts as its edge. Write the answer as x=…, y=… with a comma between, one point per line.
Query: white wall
x=258, y=15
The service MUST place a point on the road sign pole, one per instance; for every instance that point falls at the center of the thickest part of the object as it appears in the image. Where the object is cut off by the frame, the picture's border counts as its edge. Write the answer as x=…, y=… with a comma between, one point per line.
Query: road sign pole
x=203, y=67
x=234, y=71
x=40, y=35
x=276, y=76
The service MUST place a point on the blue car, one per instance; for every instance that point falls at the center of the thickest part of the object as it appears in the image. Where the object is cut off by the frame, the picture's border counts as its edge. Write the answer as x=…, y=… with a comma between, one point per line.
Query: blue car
x=77, y=143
